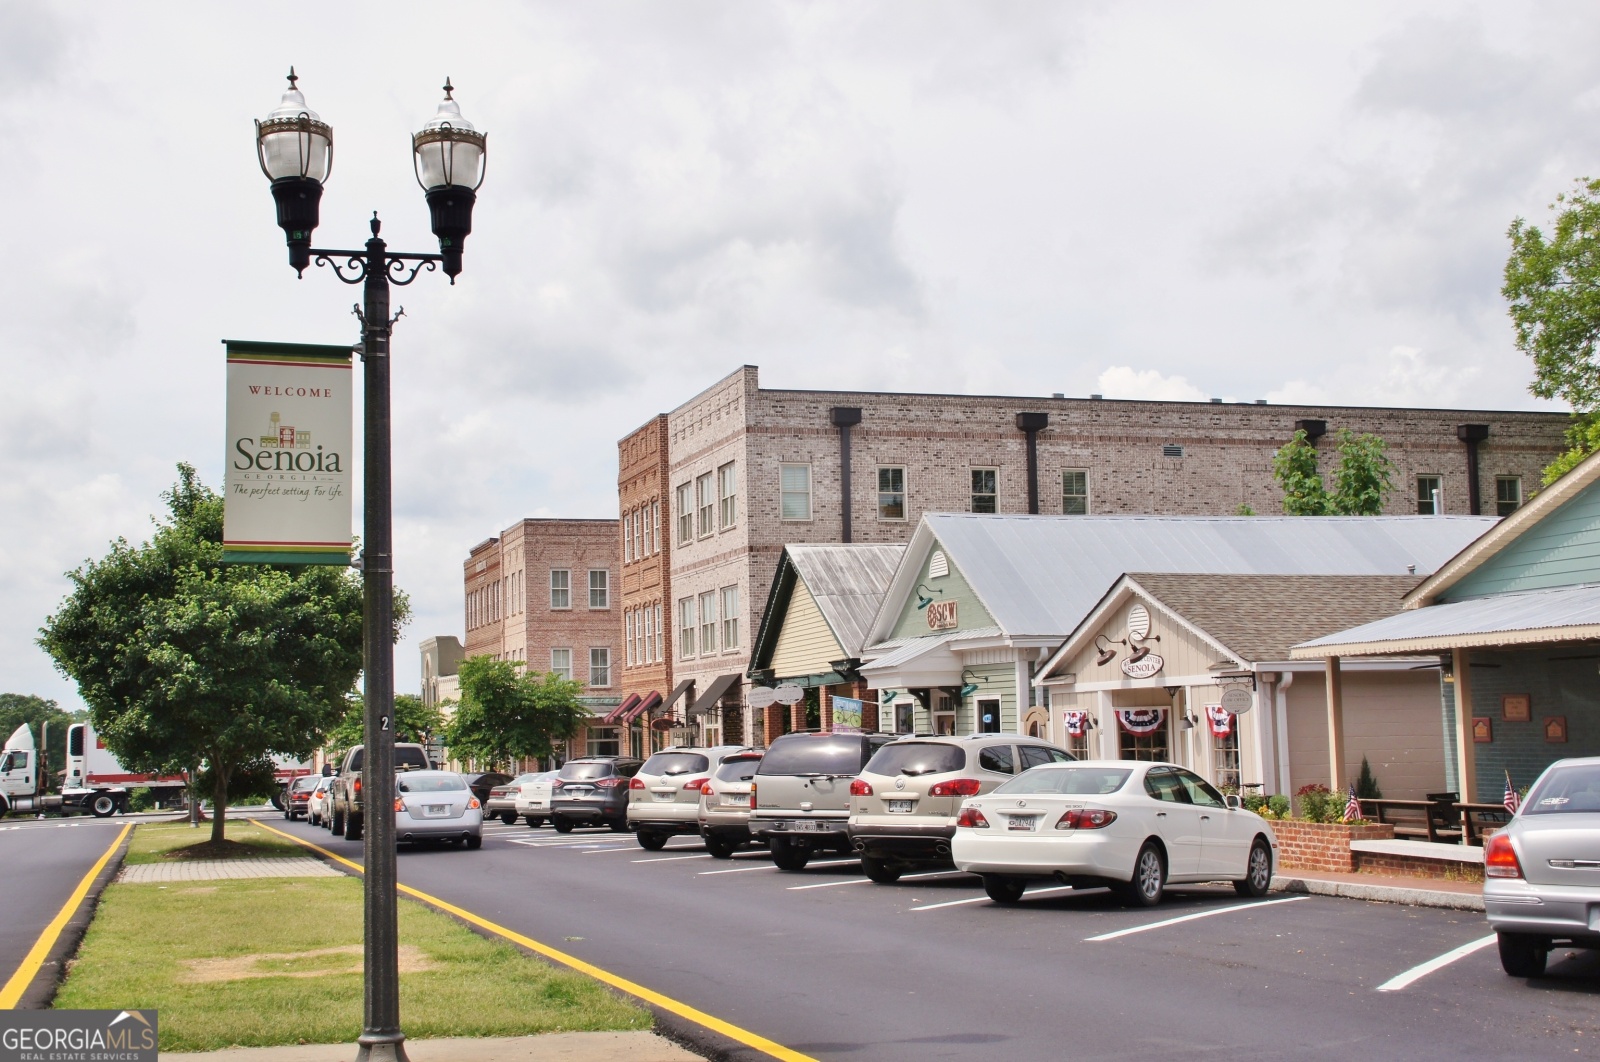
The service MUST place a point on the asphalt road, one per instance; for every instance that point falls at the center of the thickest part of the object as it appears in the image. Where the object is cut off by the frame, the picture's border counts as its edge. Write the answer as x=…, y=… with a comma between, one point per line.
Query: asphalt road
x=839, y=968
x=41, y=862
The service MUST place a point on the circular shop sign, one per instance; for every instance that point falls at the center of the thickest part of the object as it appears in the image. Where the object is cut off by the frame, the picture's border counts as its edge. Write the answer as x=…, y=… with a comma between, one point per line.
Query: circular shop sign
x=1236, y=700
x=1146, y=666
x=790, y=694
x=761, y=696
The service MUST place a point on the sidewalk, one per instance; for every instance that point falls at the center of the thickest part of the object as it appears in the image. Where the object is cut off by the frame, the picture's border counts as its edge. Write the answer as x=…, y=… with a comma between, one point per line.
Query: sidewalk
x=551, y=1047
x=1418, y=892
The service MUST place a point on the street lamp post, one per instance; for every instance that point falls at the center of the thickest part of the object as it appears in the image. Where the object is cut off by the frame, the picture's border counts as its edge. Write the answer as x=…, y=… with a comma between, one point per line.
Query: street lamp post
x=295, y=149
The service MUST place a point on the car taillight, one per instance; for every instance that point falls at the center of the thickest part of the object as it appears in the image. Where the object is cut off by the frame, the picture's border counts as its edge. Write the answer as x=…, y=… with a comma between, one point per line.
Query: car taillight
x=555, y=785
x=972, y=819
x=860, y=788
x=694, y=785
x=752, y=796
x=637, y=783
x=357, y=785
x=1086, y=819
x=612, y=783
x=1500, y=859
x=706, y=791
x=472, y=802
x=399, y=805
x=962, y=787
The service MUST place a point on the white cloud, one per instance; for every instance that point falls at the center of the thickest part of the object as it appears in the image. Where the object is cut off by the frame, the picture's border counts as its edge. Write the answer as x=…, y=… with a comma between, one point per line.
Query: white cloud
x=1124, y=381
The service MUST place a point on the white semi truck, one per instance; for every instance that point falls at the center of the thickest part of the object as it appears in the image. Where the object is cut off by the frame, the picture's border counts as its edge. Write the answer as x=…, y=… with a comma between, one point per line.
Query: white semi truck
x=93, y=782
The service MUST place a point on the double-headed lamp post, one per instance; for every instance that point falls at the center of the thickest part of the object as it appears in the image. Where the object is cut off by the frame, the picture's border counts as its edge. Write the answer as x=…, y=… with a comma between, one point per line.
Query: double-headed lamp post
x=295, y=149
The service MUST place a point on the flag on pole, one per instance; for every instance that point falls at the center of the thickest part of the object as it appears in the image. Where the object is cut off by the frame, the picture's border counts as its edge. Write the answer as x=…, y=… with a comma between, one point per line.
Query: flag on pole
x=1352, y=806
x=1513, y=801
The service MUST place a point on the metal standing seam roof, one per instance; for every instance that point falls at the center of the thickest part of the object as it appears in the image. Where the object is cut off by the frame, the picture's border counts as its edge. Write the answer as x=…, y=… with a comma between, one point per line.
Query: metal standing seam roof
x=912, y=648
x=1564, y=614
x=1040, y=575
x=848, y=583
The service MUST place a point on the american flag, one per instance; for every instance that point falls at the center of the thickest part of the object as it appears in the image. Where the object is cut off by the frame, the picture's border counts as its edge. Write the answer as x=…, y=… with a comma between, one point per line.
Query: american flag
x=1352, y=806
x=1513, y=801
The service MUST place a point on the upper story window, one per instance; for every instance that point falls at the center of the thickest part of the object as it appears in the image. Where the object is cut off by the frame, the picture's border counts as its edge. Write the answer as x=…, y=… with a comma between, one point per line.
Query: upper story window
x=649, y=635
x=891, y=494
x=1430, y=496
x=708, y=622
x=599, y=667
x=685, y=514
x=648, y=532
x=706, y=504
x=655, y=527
x=686, y=627
x=727, y=499
x=985, y=498
x=794, y=489
x=561, y=663
x=599, y=588
x=632, y=655
x=560, y=588
x=1074, y=492
x=661, y=632
x=1507, y=494
x=730, y=617
x=627, y=538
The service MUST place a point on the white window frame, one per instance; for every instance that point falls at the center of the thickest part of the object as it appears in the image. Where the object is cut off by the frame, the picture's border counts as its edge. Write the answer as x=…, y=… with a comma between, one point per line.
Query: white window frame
x=561, y=589
x=649, y=636
x=627, y=638
x=891, y=493
x=1435, y=495
x=1500, y=501
x=655, y=523
x=661, y=636
x=993, y=495
x=685, y=513
x=686, y=625
x=627, y=539
x=727, y=497
x=705, y=499
x=599, y=666
x=1065, y=472
x=730, y=619
x=603, y=741
x=786, y=492
x=708, y=623
x=604, y=589
x=557, y=667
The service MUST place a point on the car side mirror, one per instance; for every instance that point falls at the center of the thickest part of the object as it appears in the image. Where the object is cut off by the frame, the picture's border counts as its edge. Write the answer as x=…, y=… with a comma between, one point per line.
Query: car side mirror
x=1233, y=801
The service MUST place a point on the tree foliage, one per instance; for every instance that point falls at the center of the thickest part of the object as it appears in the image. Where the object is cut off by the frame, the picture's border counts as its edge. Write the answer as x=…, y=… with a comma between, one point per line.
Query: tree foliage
x=506, y=714
x=413, y=721
x=1362, y=481
x=19, y=709
x=184, y=660
x=1552, y=285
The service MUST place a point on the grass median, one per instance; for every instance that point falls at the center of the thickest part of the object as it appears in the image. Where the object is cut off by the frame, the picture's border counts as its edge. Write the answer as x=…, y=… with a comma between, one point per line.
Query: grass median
x=268, y=961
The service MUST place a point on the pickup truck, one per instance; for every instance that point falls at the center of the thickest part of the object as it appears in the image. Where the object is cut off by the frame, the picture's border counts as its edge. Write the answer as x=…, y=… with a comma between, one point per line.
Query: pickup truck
x=346, y=788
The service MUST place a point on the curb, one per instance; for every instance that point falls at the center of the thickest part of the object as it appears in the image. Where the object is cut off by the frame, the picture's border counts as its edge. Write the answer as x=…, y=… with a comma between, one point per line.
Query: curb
x=42, y=990
x=1350, y=890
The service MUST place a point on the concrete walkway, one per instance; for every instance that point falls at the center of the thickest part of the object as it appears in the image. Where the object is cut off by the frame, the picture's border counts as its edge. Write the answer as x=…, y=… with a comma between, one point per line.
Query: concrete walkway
x=551, y=1047
x=1418, y=892
x=217, y=869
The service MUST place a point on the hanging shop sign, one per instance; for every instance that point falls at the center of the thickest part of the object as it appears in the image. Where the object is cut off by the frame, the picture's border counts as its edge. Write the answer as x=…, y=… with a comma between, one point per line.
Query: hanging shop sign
x=1147, y=666
x=1142, y=720
x=1236, y=700
x=1220, y=720
x=761, y=696
x=1077, y=723
x=286, y=494
x=847, y=715
x=942, y=616
x=789, y=694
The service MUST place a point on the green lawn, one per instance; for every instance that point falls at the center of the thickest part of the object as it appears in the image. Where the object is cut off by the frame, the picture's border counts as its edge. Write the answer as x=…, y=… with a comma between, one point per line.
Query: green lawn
x=151, y=840
x=261, y=962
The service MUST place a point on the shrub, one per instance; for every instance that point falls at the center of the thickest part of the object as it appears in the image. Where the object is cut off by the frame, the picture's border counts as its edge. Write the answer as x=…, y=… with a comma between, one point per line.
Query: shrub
x=1320, y=804
x=1278, y=805
x=141, y=799
x=1367, y=784
x=1254, y=802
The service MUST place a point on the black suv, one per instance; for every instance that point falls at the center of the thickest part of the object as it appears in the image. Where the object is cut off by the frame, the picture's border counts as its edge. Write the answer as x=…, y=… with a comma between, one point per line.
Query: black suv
x=800, y=799
x=592, y=791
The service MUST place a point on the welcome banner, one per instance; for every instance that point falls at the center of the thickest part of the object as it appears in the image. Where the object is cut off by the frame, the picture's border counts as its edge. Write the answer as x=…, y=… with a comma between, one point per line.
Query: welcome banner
x=290, y=407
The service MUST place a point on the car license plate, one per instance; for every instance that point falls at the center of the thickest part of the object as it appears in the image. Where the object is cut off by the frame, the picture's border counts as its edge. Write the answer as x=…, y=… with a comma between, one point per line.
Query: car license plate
x=1021, y=822
x=665, y=796
x=435, y=811
x=901, y=806
x=735, y=800
x=805, y=824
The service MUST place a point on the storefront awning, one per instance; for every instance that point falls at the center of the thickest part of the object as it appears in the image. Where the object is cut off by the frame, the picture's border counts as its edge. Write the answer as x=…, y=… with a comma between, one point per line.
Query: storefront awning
x=713, y=695
x=614, y=716
x=686, y=686
x=651, y=700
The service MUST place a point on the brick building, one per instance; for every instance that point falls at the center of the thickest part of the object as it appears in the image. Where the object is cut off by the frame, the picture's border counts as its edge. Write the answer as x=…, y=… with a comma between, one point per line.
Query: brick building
x=543, y=592
x=749, y=470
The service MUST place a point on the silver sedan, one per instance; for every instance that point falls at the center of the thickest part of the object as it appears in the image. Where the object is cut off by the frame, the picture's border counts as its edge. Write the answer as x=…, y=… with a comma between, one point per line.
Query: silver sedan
x=1542, y=872
x=437, y=806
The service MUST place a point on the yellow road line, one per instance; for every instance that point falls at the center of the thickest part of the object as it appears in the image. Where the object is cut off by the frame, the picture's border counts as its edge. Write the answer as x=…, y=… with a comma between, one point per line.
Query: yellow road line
x=673, y=1006
x=12, y=992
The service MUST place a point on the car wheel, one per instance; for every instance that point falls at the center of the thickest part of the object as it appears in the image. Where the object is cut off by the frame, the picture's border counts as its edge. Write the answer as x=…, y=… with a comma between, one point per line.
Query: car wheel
x=789, y=856
x=508, y=817
x=475, y=842
x=652, y=842
x=1522, y=955
x=1003, y=889
x=619, y=825
x=352, y=828
x=562, y=825
x=720, y=849
x=1258, y=871
x=103, y=806
x=1149, y=877
x=338, y=824
x=533, y=821
x=881, y=870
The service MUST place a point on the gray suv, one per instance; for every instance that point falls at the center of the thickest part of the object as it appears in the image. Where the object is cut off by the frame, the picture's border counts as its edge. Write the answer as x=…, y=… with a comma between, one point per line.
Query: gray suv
x=904, y=804
x=664, y=797
x=800, y=796
x=592, y=791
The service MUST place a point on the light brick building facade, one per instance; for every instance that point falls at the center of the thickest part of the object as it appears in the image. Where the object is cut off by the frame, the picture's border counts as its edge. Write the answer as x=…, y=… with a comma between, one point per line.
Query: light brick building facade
x=748, y=470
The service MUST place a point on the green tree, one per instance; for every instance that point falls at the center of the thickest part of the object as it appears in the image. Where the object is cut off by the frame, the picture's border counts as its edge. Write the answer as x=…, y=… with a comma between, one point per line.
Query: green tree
x=1362, y=481
x=25, y=709
x=1294, y=466
x=505, y=714
x=183, y=660
x=413, y=721
x=1367, y=783
x=1552, y=286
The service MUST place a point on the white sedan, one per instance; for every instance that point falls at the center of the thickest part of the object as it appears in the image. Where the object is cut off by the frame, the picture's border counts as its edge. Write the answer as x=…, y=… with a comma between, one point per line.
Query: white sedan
x=1135, y=827
x=533, y=798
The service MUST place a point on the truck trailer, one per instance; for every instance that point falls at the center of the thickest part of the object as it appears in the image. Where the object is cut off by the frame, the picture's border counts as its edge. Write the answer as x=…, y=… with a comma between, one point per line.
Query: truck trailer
x=92, y=781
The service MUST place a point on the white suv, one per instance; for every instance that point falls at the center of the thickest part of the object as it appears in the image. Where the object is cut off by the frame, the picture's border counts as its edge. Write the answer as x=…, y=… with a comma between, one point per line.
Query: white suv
x=904, y=804
x=664, y=797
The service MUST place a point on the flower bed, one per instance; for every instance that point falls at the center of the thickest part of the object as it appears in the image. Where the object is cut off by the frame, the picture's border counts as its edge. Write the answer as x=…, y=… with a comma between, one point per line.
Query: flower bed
x=1323, y=845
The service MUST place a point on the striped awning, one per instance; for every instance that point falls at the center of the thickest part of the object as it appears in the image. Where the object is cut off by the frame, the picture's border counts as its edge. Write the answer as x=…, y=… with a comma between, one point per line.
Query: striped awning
x=651, y=700
x=614, y=716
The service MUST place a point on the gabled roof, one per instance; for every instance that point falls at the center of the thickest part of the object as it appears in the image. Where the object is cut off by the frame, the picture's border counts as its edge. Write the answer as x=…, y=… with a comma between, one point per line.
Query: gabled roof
x=1040, y=575
x=847, y=582
x=1507, y=531
x=1538, y=617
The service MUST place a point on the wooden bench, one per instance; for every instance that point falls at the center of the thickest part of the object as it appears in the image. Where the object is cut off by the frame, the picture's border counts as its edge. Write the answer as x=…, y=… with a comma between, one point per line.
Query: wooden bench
x=1433, y=820
x=1478, y=818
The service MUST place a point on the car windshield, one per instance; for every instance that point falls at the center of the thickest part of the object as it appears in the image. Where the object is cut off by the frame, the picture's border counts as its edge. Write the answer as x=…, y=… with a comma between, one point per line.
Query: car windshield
x=582, y=772
x=812, y=754
x=740, y=770
x=305, y=785
x=431, y=783
x=916, y=757
x=675, y=763
x=1573, y=789
x=1067, y=781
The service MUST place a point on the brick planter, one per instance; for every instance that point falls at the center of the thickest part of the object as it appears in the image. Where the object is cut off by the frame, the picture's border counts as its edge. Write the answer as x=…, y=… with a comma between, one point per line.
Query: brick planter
x=1323, y=845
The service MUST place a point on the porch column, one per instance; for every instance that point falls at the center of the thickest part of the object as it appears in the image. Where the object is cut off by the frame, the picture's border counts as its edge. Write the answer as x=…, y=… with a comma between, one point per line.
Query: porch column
x=1466, y=754
x=825, y=707
x=1106, y=720
x=1335, y=677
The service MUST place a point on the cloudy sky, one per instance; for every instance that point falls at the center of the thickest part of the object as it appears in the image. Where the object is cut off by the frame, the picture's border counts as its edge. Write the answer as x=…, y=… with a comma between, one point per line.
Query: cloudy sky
x=1140, y=199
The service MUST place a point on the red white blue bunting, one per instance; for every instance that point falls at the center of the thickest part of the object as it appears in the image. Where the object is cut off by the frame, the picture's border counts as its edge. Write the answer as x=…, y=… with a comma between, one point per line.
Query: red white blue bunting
x=1142, y=720
x=1221, y=721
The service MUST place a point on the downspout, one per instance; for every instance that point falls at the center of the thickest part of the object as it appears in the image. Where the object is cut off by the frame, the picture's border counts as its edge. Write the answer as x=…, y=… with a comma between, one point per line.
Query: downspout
x=844, y=418
x=1282, y=698
x=1031, y=424
x=1472, y=435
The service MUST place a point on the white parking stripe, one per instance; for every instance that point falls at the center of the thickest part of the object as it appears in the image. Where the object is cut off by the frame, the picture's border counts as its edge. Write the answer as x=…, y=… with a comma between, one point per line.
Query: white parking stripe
x=672, y=859
x=1416, y=973
x=741, y=870
x=1191, y=917
x=863, y=881
x=985, y=899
